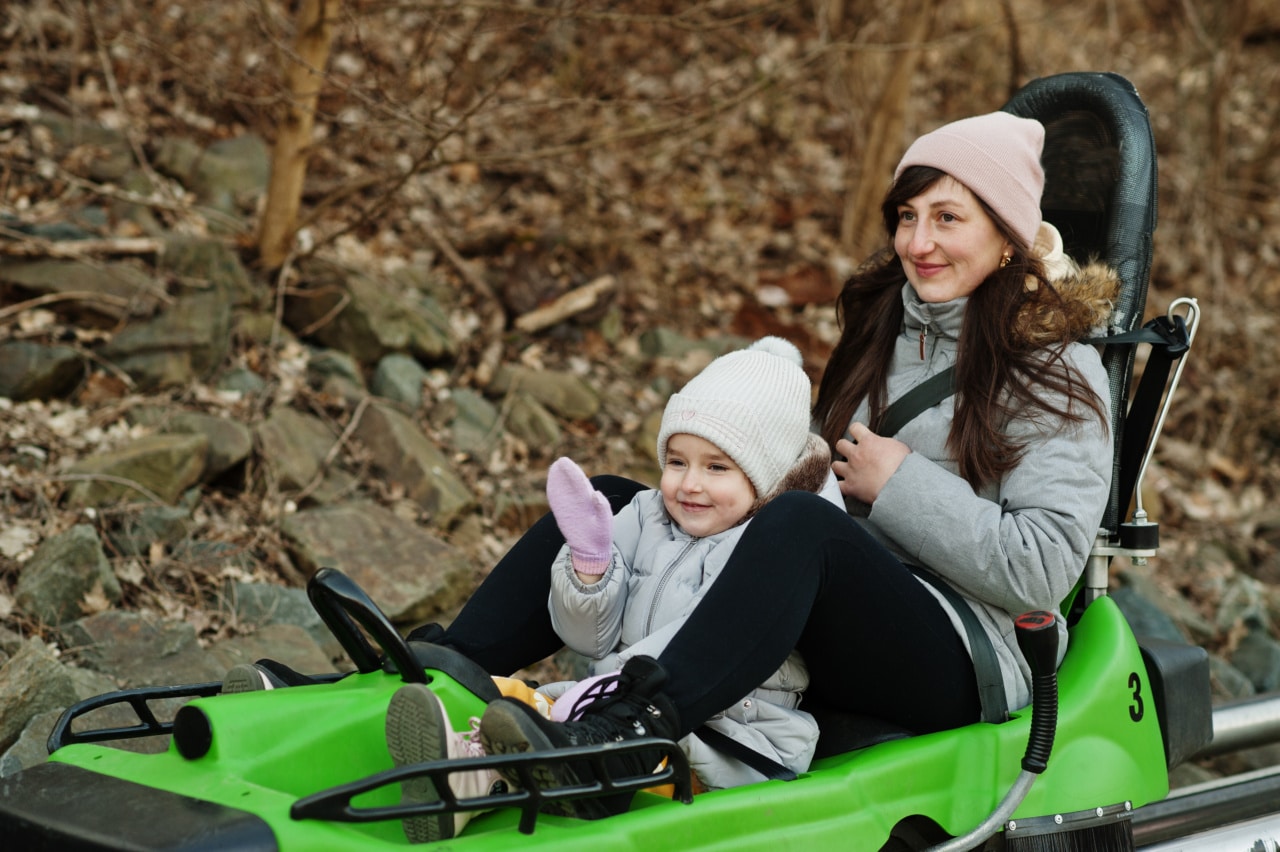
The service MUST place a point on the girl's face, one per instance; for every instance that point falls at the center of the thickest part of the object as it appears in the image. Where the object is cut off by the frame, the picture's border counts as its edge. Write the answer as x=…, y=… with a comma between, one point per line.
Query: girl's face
x=947, y=243
x=703, y=490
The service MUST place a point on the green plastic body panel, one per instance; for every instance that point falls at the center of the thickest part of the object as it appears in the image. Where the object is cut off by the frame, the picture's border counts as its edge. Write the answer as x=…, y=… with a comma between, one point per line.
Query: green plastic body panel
x=271, y=748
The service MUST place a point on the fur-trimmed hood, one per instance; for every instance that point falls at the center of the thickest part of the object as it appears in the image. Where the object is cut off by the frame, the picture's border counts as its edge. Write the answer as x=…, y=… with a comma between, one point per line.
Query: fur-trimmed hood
x=809, y=473
x=1088, y=296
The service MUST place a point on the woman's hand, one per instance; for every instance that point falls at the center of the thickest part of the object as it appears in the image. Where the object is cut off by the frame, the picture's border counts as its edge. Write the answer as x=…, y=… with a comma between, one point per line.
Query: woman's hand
x=869, y=461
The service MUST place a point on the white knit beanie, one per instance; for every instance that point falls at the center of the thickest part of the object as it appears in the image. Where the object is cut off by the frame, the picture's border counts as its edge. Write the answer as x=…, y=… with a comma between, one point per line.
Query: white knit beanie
x=753, y=404
x=997, y=156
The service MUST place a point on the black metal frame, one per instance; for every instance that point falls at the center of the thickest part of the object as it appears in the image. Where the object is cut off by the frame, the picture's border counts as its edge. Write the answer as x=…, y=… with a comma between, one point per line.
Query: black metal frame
x=335, y=804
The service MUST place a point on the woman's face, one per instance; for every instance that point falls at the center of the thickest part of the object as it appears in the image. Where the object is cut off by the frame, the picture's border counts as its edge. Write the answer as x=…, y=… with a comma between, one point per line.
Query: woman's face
x=947, y=243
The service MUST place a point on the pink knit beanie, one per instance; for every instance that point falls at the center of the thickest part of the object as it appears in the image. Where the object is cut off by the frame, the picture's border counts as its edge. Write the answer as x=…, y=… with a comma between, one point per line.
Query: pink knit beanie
x=997, y=156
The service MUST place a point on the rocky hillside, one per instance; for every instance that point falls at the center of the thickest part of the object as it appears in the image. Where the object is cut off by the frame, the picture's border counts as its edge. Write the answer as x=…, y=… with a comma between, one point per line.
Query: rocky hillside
x=521, y=231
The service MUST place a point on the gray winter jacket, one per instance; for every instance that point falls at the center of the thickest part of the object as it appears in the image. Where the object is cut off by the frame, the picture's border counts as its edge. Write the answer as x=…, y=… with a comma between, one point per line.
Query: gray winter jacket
x=657, y=576
x=1018, y=544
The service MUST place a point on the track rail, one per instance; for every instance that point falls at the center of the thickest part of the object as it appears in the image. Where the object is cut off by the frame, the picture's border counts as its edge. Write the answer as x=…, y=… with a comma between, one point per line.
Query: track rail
x=1239, y=812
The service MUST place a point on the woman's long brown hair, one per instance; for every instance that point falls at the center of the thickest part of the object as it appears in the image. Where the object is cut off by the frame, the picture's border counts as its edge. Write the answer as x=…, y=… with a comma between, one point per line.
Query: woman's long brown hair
x=999, y=376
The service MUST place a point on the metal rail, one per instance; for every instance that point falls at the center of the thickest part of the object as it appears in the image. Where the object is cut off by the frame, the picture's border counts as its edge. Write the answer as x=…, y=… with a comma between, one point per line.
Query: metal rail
x=1246, y=723
x=1239, y=812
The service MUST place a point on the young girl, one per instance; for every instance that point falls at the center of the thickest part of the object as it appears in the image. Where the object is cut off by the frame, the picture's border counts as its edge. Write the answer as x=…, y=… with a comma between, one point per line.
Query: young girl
x=731, y=440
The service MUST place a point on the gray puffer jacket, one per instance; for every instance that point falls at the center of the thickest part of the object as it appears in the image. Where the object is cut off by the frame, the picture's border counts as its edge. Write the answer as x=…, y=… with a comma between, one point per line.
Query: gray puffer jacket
x=657, y=576
x=1018, y=544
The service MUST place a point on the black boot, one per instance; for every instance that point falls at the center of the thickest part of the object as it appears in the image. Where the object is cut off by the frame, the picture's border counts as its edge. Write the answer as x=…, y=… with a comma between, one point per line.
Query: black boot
x=632, y=709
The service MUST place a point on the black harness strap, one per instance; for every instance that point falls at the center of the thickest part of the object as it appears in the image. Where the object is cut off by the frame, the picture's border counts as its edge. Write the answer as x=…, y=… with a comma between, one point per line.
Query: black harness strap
x=986, y=668
x=726, y=744
x=925, y=395
x=1169, y=342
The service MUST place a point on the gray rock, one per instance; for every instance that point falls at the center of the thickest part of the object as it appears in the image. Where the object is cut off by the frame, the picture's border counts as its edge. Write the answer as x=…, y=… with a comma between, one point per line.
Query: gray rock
x=1243, y=600
x=399, y=378
x=230, y=441
x=141, y=215
x=195, y=260
x=10, y=642
x=530, y=421
x=31, y=370
x=407, y=458
x=565, y=394
x=1228, y=682
x=365, y=317
x=31, y=747
x=164, y=465
x=1144, y=617
x=293, y=447
x=668, y=343
x=34, y=681
x=112, y=154
x=288, y=643
x=1175, y=607
x=410, y=574
x=243, y=381
x=90, y=684
x=434, y=291
x=186, y=341
x=259, y=326
x=664, y=342
x=242, y=169
x=1265, y=757
x=1258, y=658
x=474, y=423
x=337, y=374
x=62, y=571
x=227, y=177
x=1189, y=774
x=258, y=605
x=125, y=289
x=213, y=557
x=140, y=650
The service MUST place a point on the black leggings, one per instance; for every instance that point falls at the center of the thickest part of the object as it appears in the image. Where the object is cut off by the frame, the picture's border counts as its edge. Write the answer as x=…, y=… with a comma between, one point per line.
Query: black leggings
x=804, y=575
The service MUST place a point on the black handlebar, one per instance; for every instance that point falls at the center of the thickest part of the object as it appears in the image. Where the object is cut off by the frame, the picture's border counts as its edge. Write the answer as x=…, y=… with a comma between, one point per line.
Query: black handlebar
x=341, y=604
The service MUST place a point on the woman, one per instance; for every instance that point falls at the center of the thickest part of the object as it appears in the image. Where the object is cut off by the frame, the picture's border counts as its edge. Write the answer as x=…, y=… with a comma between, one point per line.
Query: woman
x=980, y=508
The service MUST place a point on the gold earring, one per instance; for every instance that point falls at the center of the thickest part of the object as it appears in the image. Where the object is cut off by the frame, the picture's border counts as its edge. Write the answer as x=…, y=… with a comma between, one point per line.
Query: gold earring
x=1004, y=260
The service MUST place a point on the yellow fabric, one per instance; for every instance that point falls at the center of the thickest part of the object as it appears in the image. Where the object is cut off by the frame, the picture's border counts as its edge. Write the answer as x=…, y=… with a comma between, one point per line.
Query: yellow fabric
x=521, y=691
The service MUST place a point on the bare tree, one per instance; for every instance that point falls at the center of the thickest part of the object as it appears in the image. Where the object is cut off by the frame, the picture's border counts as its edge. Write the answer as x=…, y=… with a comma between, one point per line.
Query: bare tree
x=303, y=78
x=860, y=230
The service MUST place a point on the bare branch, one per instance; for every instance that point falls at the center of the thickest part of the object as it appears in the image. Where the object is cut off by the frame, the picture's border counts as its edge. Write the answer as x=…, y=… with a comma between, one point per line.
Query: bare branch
x=496, y=320
x=574, y=302
x=27, y=246
x=68, y=296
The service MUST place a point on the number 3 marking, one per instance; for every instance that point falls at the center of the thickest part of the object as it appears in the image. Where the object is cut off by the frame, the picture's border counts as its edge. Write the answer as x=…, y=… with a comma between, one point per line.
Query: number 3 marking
x=1136, y=708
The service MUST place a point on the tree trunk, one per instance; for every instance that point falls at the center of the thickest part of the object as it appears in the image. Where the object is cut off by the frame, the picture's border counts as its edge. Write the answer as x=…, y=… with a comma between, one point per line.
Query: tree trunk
x=303, y=75
x=862, y=231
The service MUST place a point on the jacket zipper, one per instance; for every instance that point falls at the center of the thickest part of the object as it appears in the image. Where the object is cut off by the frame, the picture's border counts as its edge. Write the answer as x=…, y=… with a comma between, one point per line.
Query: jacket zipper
x=662, y=584
x=924, y=332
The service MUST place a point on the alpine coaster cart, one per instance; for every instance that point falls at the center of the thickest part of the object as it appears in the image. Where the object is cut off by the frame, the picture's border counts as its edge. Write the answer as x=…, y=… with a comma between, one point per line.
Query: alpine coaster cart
x=306, y=768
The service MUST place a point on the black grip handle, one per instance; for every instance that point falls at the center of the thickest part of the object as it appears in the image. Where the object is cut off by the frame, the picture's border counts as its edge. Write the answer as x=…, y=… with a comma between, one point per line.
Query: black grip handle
x=341, y=604
x=1037, y=634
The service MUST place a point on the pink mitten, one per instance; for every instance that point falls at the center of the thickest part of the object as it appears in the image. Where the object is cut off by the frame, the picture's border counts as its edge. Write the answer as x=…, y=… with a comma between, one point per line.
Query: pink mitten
x=583, y=515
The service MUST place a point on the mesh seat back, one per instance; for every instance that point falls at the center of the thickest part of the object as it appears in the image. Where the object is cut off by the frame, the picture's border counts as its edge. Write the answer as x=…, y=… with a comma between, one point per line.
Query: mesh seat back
x=1100, y=192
